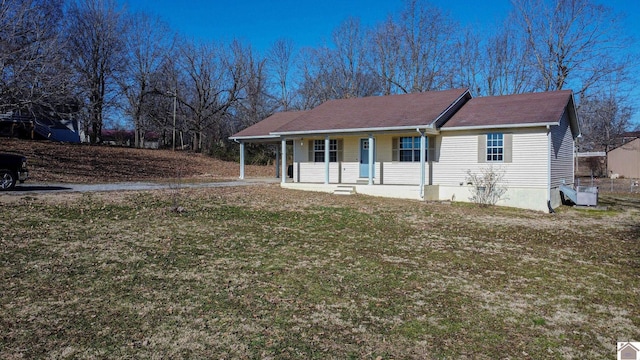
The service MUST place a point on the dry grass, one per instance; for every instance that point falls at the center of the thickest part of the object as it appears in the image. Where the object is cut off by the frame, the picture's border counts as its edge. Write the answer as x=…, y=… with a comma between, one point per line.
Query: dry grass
x=262, y=272
x=82, y=163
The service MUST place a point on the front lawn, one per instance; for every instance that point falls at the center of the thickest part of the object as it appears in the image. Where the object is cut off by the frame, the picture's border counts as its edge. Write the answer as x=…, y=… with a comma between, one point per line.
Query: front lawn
x=262, y=272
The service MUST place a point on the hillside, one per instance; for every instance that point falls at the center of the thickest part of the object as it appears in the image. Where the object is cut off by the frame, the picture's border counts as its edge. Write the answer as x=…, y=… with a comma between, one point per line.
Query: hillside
x=80, y=163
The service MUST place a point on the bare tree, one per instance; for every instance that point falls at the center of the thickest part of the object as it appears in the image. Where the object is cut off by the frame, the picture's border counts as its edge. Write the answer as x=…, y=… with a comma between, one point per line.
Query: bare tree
x=34, y=78
x=148, y=46
x=96, y=32
x=426, y=30
x=254, y=102
x=574, y=43
x=408, y=50
x=506, y=68
x=214, y=76
x=351, y=63
x=468, y=61
x=385, y=49
x=280, y=61
x=161, y=106
x=604, y=117
x=338, y=72
x=317, y=77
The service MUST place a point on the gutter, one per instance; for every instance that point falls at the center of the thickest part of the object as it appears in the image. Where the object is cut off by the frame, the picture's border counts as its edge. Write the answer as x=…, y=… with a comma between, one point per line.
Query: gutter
x=505, y=126
x=357, y=130
x=257, y=137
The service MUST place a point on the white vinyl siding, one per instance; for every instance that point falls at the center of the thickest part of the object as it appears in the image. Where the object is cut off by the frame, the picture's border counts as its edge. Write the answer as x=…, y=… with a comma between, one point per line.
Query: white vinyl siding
x=312, y=172
x=351, y=149
x=401, y=173
x=384, y=148
x=460, y=151
x=561, y=153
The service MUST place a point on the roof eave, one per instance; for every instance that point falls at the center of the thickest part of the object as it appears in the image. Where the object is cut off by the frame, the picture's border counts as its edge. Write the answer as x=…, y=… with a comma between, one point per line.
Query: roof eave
x=257, y=137
x=428, y=128
x=499, y=126
x=573, y=117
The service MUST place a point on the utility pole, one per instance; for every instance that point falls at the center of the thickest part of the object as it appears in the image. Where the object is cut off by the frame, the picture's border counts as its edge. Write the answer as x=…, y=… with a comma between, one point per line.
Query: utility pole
x=175, y=96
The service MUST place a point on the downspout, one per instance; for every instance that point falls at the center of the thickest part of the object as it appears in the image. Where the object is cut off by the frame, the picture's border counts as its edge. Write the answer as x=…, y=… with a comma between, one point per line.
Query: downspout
x=422, y=161
x=371, y=156
x=549, y=169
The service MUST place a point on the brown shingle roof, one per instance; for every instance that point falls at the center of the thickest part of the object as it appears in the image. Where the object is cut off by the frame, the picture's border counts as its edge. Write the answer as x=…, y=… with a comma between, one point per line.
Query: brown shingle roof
x=264, y=128
x=375, y=112
x=521, y=109
x=631, y=134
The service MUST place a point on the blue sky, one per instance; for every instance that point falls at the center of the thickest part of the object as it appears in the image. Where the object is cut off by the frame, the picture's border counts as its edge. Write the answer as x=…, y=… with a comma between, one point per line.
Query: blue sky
x=309, y=23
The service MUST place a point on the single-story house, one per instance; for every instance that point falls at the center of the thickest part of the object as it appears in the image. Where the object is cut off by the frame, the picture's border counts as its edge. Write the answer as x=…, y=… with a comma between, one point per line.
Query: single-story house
x=423, y=145
x=624, y=161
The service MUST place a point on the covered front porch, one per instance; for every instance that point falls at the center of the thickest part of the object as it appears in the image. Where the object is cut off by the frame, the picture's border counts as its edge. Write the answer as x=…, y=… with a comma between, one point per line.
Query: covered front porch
x=366, y=163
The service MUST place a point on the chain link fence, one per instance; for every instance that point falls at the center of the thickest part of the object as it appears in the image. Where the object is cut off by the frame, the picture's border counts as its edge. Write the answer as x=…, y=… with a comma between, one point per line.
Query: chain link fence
x=608, y=185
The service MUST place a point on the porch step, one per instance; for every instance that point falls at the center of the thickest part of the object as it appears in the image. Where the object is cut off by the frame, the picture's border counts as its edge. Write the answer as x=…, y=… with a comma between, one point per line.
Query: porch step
x=344, y=190
x=362, y=181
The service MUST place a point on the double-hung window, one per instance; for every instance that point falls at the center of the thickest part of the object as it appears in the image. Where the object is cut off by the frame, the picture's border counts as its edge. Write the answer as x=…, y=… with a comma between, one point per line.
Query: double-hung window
x=495, y=147
x=318, y=150
x=408, y=148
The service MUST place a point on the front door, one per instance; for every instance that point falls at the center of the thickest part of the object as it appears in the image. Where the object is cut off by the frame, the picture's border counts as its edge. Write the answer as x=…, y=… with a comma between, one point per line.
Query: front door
x=364, y=158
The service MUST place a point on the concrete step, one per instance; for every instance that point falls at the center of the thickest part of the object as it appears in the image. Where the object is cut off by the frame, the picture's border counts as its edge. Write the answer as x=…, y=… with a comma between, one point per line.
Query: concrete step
x=345, y=190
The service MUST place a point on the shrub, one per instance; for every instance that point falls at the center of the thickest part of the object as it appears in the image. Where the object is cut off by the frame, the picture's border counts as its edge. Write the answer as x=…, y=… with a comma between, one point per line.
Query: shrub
x=488, y=186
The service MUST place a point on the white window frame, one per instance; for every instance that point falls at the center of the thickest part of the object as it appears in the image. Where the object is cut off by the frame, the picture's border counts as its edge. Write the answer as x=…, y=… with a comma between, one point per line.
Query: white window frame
x=495, y=147
x=412, y=148
x=318, y=150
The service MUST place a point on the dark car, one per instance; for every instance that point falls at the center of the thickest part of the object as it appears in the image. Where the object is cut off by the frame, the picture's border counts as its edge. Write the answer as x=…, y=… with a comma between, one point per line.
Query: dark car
x=13, y=168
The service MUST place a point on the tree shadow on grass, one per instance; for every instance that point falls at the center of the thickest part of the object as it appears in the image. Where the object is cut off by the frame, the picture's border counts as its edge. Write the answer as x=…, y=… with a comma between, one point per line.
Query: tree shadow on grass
x=33, y=188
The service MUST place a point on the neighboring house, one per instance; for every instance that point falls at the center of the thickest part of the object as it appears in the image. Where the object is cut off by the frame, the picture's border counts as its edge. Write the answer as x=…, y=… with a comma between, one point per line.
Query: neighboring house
x=422, y=145
x=115, y=137
x=27, y=126
x=628, y=136
x=624, y=161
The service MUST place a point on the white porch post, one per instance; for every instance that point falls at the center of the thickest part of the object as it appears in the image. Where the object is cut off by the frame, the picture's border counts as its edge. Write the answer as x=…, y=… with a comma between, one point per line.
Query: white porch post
x=277, y=162
x=371, y=160
x=241, y=160
x=283, y=170
x=423, y=145
x=326, y=159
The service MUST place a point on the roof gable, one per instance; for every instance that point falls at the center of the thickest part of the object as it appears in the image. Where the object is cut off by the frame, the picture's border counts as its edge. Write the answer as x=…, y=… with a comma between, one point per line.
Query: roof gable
x=533, y=109
x=376, y=112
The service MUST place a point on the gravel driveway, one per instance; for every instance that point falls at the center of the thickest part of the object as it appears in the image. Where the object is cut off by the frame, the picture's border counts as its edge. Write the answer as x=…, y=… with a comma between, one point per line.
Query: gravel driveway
x=40, y=188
